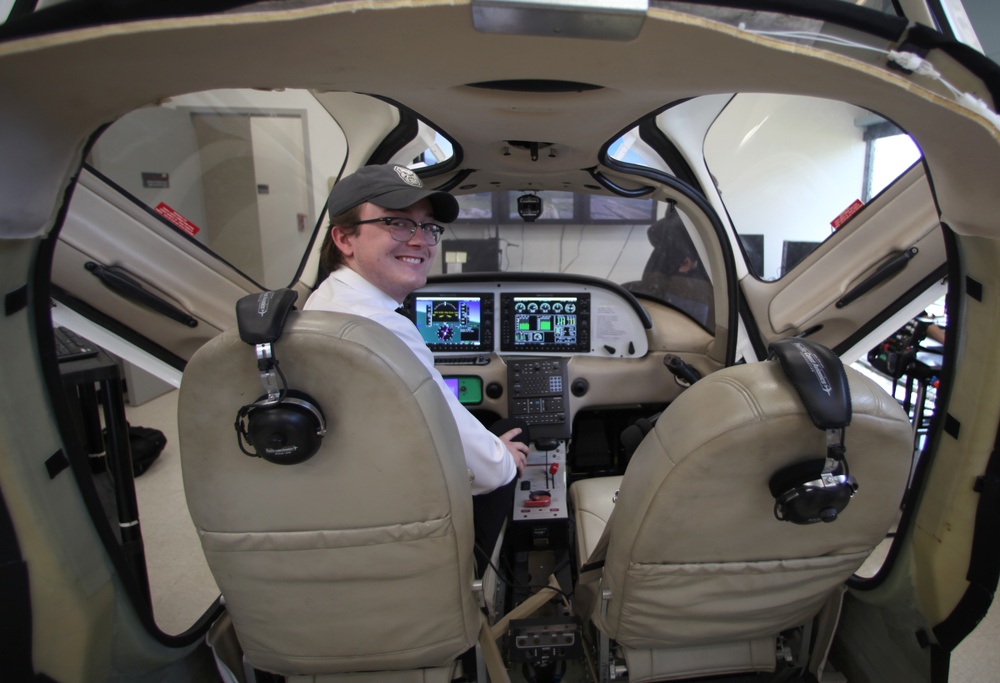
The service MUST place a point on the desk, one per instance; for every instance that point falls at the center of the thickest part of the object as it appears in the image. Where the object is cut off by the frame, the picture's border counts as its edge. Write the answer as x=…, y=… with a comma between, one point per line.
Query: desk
x=87, y=380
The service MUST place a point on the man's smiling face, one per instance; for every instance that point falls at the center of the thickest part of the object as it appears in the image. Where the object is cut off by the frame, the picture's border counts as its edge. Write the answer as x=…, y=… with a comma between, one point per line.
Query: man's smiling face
x=397, y=268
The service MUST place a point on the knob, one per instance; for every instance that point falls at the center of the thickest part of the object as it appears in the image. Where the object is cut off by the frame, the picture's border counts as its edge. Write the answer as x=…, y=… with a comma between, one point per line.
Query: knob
x=494, y=390
x=579, y=387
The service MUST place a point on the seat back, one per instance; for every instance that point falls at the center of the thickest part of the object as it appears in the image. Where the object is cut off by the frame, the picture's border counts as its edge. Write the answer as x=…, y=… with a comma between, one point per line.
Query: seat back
x=694, y=552
x=359, y=558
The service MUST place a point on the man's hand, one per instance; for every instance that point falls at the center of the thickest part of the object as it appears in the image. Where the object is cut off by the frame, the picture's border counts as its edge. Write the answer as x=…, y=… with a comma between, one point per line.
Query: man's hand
x=518, y=450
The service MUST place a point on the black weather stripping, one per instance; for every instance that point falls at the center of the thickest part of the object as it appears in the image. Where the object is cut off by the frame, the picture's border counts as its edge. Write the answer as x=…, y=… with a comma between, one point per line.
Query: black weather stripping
x=974, y=288
x=15, y=301
x=984, y=560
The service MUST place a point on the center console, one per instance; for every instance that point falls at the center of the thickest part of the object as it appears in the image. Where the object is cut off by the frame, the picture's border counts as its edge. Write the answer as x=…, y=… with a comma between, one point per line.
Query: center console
x=541, y=491
x=538, y=394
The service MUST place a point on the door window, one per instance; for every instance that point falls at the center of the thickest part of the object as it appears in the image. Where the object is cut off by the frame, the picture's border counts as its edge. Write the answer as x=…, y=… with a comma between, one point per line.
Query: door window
x=232, y=170
x=793, y=170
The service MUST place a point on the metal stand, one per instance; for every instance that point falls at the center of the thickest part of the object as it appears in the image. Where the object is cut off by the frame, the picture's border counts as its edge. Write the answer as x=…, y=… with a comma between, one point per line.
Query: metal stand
x=86, y=380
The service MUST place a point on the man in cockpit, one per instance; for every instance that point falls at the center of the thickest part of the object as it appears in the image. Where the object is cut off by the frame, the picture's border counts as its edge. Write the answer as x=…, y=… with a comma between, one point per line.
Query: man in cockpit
x=384, y=231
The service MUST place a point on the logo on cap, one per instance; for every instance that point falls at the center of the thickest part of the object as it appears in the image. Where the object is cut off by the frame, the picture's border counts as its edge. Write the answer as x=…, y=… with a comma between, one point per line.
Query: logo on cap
x=408, y=176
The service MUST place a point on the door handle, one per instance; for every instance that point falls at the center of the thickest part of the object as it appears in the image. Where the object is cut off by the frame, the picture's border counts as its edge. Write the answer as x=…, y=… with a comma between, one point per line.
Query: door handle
x=119, y=281
x=885, y=271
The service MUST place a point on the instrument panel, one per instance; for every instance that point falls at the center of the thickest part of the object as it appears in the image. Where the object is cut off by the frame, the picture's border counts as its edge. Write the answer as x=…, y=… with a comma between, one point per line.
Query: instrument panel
x=536, y=317
x=516, y=338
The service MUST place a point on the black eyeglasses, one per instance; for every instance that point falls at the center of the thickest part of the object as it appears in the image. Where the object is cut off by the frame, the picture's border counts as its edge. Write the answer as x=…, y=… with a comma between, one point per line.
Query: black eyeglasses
x=403, y=229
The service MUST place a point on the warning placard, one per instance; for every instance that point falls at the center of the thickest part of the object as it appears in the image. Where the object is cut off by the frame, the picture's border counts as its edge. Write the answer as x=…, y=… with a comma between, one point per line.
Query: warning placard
x=183, y=223
x=846, y=214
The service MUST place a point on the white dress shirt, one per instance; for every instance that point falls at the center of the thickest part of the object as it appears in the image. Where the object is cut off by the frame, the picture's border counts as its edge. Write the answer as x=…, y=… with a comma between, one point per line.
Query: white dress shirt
x=345, y=291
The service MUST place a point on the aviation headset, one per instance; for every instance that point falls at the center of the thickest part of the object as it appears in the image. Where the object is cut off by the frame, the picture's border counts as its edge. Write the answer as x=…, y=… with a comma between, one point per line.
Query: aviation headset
x=815, y=490
x=283, y=426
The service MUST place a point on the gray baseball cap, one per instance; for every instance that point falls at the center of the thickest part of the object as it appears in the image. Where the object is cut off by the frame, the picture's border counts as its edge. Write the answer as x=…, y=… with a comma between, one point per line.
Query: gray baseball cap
x=391, y=187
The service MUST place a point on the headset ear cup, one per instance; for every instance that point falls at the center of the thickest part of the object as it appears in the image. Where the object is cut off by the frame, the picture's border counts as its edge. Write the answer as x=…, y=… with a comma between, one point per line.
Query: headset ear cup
x=288, y=432
x=789, y=477
x=801, y=497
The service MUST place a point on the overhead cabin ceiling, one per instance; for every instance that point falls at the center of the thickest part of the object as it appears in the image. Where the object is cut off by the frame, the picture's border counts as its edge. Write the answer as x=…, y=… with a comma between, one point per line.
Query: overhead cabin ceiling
x=438, y=72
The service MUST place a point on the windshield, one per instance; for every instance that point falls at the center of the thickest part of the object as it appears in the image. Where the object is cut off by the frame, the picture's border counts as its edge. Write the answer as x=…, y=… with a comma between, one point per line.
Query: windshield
x=244, y=175
x=644, y=245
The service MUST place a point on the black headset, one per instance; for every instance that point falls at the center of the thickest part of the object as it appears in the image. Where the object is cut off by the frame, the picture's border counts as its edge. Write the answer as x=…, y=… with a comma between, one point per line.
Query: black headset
x=285, y=430
x=818, y=489
x=812, y=491
x=284, y=426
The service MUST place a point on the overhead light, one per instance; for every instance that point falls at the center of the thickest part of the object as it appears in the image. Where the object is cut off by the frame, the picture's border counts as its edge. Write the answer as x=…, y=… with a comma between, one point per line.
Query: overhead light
x=600, y=19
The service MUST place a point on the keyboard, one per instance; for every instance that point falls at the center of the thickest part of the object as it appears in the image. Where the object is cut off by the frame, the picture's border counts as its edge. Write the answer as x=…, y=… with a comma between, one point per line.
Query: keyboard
x=71, y=346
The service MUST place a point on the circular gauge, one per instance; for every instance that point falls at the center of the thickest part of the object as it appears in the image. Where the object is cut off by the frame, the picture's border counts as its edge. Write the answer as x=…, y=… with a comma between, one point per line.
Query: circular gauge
x=570, y=308
x=557, y=307
x=532, y=307
x=544, y=307
x=519, y=307
x=445, y=332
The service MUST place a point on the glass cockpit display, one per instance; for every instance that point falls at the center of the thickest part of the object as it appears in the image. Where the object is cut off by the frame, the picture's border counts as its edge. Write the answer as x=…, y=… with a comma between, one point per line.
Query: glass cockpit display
x=546, y=322
x=455, y=323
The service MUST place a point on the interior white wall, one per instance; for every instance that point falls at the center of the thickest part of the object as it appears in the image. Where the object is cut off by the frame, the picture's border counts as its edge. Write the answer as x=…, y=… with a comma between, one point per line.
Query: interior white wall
x=616, y=252
x=169, y=145
x=786, y=167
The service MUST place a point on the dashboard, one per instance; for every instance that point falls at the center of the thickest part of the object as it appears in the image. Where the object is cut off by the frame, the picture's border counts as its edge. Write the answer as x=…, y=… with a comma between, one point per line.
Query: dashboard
x=507, y=344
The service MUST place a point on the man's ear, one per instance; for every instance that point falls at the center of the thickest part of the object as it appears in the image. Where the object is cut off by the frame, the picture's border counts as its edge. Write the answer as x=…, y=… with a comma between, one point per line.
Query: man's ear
x=342, y=240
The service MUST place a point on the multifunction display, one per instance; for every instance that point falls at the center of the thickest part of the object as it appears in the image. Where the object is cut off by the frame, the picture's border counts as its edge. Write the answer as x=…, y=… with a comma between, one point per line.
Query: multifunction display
x=450, y=322
x=554, y=322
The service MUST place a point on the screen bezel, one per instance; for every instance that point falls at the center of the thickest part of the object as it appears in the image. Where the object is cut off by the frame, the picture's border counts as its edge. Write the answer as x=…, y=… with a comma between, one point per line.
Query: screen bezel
x=485, y=343
x=508, y=312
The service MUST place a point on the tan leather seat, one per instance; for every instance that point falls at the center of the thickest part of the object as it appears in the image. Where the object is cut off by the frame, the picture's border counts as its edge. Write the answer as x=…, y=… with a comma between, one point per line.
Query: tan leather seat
x=698, y=574
x=360, y=558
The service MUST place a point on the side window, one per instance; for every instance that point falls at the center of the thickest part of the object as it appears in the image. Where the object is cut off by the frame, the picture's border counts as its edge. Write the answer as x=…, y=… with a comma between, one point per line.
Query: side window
x=792, y=170
x=233, y=170
x=427, y=148
x=675, y=271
